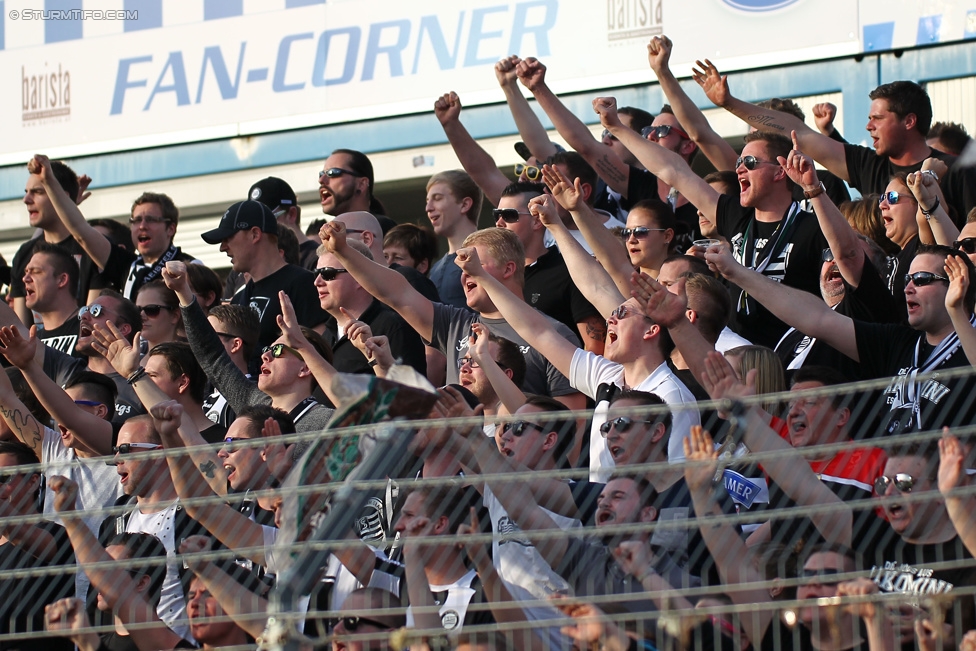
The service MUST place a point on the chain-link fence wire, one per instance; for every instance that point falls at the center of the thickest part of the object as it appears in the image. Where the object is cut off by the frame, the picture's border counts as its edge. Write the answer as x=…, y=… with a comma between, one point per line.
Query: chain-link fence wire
x=638, y=555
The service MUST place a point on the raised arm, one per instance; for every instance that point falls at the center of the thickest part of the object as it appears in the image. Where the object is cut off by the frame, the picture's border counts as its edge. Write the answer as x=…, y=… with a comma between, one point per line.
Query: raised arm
x=955, y=302
x=191, y=481
x=530, y=128
x=92, y=432
x=510, y=395
x=602, y=277
x=385, y=284
x=112, y=580
x=291, y=331
x=663, y=163
x=788, y=471
x=97, y=246
x=528, y=322
x=475, y=160
x=601, y=157
x=723, y=541
x=692, y=120
x=935, y=226
x=826, y=151
x=22, y=423
x=802, y=310
x=840, y=235
x=952, y=478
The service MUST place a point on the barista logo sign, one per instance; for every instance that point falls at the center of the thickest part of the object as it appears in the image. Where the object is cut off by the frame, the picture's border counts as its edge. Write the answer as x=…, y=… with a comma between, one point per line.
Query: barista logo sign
x=631, y=19
x=45, y=94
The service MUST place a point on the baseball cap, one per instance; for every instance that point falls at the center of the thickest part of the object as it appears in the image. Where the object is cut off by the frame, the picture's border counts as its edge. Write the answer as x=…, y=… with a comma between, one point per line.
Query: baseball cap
x=243, y=215
x=272, y=192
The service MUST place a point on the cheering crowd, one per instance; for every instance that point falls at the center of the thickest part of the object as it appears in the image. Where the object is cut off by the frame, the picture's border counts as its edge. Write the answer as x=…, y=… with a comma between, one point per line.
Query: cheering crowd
x=587, y=500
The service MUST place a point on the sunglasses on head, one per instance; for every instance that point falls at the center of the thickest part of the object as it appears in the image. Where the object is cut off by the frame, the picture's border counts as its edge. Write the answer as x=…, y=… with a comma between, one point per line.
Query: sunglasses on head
x=352, y=624
x=966, y=245
x=336, y=172
x=903, y=483
x=751, y=162
x=821, y=575
x=95, y=310
x=640, y=231
x=923, y=278
x=153, y=311
x=329, y=273
x=662, y=131
x=508, y=215
x=623, y=423
x=278, y=350
x=827, y=255
x=892, y=197
x=518, y=427
x=531, y=172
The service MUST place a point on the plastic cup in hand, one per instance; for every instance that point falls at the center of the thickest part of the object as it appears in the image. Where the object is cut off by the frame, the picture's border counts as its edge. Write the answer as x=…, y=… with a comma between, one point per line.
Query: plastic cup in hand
x=705, y=243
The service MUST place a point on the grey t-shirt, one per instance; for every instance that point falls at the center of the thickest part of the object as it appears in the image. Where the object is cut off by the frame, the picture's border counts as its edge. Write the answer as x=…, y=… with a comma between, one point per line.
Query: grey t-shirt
x=450, y=332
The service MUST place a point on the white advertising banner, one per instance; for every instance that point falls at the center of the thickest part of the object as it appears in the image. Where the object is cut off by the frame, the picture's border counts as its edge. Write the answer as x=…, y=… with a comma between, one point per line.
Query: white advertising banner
x=123, y=74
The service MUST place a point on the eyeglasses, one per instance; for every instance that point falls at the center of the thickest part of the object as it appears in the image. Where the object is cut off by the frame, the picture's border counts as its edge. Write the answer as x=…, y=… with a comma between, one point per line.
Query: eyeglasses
x=508, y=215
x=903, y=483
x=827, y=255
x=751, y=162
x=622, y=424
x=330, y=273
x=229, y=440
x=820, y=575
x=607, y=134
x=639, y=232
x=88, y=403
x=621, y=312
x=923, y=278
x=126, y=448
x=351, y=624
x=147, y=219
x=473, y=364
x=518, y=427
x=531, y=172
x=152, y=311
x=893, y=197
x=662, y=131
x=95, y=310
x=277, y=350
x=966, y=245
x=336, y=172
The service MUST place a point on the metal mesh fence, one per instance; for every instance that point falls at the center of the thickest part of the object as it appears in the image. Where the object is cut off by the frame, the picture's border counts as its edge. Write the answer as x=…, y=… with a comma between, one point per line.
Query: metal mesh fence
x=795, y=525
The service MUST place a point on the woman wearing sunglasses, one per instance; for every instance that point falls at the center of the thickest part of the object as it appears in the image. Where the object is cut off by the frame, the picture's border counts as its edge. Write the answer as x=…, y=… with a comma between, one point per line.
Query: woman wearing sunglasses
x=161, y=318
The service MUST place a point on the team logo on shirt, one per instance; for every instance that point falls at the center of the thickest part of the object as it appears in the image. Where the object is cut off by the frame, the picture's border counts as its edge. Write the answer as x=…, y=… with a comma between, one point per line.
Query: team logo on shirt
x=535, y=298
x=450, y=620
x=509, y=532
x=259, y=304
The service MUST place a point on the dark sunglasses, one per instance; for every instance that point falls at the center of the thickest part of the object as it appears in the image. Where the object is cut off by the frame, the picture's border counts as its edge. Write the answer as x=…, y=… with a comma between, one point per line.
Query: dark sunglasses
x=827, y=255
x=153, y=311
x=621, y=312
x=639, y=232
x=923, y=278
x=126, y=448
x=903, y=483
x=966, y=245
x=607, y=134
x=508, y=215
x=892, y=198
x=351, y=624
x=518, y=427
x=336, y=172
x=95, y=310
x=278, y=350
x=329, y=273
x=531, y=171
x=623, y=423
x=820, y=575
x=662, y=131
x=751, y=162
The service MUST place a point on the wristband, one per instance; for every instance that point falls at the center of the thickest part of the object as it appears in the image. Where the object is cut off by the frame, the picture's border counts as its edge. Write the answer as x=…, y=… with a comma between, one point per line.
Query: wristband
x=136, y=375
x=928, y=212
x=816, y=192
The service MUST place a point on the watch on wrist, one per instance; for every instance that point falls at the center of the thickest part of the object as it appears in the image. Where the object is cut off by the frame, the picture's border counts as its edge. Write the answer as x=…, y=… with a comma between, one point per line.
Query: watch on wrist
x=816, y=192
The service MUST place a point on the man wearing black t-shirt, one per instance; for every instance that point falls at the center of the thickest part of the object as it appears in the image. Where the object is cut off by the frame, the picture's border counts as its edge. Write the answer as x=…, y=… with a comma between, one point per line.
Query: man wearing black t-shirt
x=248, y=234
x=276, y=194
x=929, y=342
x=767, y=229
x=898, y=121
x=548, y=287
x=51, y=284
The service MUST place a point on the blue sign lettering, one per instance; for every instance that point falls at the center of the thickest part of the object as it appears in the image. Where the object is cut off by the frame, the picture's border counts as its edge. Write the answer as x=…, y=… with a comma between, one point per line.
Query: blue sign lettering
x=322, y=56
x=431, y=26
x=278, y=85
x=477, y=35
x=214, y=56
x=122, y=82
x=175, y=63
x=374, y=49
